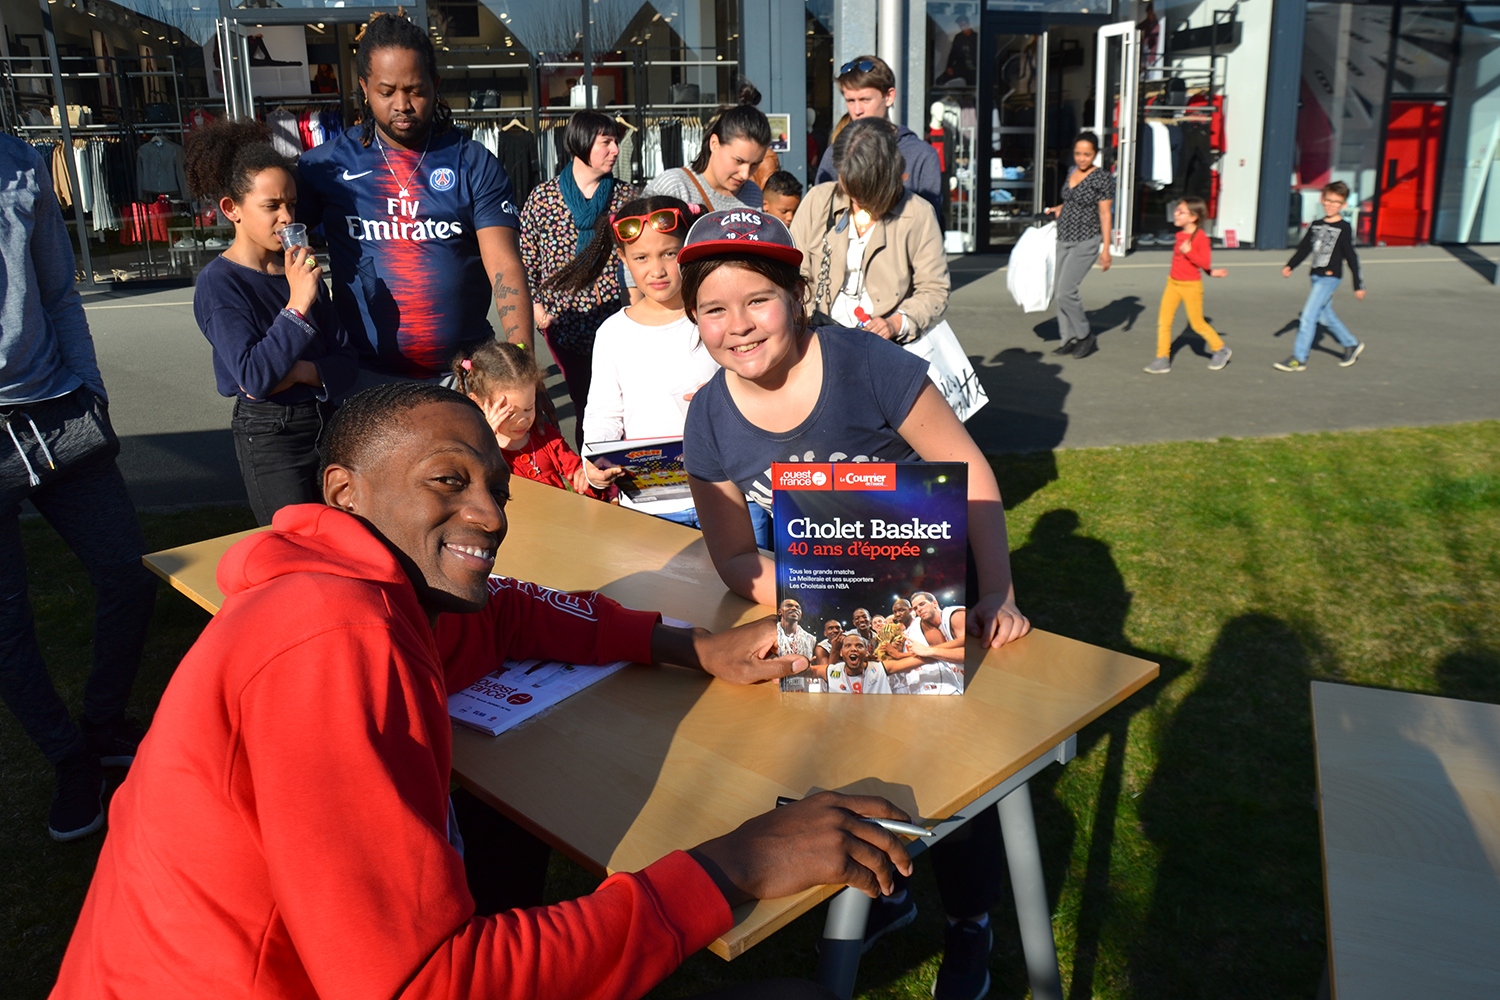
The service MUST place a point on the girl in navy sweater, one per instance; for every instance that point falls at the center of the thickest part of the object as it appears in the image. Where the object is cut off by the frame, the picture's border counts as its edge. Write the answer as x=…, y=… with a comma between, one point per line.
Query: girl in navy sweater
x=279, y=349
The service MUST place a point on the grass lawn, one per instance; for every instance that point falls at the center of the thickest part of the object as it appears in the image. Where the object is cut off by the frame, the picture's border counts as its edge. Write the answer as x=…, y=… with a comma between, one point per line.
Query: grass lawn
x=1181, y=846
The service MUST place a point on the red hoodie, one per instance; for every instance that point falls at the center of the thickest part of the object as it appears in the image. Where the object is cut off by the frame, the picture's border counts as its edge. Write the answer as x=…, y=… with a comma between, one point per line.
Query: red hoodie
x=283, y=830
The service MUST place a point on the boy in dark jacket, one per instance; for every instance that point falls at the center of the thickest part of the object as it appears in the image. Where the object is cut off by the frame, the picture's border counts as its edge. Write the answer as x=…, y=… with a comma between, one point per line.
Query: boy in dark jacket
x=1329, y=242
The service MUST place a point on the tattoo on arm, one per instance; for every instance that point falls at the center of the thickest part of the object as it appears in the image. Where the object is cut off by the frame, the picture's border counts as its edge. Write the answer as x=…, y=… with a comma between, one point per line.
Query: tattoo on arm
x=503, y=292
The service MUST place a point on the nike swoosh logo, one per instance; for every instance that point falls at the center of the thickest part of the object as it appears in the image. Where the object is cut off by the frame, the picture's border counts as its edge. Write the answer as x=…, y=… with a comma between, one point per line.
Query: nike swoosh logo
x=352, y=177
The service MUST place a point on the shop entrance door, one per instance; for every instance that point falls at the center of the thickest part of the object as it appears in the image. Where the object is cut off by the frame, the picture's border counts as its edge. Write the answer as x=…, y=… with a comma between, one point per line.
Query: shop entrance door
x=1408, y=181
x=1118, y=70
x=1041, y=90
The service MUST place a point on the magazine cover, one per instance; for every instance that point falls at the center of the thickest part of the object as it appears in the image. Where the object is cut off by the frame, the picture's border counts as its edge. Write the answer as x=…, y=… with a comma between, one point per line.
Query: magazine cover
x=654, y=469
x=871, y=573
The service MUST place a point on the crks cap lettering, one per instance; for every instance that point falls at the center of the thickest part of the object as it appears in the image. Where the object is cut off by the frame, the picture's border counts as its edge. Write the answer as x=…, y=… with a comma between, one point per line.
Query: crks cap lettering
x=740, y=230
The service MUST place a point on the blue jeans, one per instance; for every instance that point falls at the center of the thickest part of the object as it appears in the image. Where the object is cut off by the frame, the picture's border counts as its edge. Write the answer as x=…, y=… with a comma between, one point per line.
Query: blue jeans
x=1319, y=309
x=760, y=521
x=94, y=515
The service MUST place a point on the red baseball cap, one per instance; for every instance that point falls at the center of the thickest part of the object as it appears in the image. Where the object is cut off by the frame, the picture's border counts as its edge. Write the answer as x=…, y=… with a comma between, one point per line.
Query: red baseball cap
x=740, y=230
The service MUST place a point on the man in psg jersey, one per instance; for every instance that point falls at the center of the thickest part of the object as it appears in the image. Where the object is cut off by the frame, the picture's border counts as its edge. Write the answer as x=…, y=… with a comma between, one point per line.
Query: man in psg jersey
x=420, y=220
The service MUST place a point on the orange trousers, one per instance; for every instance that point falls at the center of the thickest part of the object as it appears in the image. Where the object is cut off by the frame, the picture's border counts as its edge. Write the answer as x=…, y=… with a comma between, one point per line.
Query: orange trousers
x=1190, y=295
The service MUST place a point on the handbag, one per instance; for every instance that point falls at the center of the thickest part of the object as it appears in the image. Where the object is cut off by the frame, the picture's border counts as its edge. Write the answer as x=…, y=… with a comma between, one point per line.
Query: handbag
x=950, y=370
x=43, y=442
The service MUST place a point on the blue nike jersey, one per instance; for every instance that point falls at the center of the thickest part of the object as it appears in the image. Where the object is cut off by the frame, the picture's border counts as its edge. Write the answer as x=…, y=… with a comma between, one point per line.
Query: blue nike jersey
x=408, y=282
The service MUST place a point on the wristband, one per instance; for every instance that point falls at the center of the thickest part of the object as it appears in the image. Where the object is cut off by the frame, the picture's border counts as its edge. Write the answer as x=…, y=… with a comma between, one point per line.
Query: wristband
x=296, y=314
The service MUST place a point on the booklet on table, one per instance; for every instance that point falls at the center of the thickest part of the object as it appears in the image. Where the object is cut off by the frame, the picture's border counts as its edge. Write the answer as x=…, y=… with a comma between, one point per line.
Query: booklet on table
x=653, y=466
x=889, y=539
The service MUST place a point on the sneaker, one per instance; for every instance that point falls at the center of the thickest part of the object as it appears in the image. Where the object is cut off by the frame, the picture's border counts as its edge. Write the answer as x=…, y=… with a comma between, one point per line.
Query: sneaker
x=1220, y=359
x=1351, y=354
x=965, y=972
x=78, y=802
x=1291, y=364
x=114, y=742
x=1159, y=366
x=886, y=916
x=1067, y=347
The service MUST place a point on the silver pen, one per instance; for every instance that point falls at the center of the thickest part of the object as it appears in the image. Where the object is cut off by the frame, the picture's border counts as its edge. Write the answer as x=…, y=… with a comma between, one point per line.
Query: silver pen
x=893, y=825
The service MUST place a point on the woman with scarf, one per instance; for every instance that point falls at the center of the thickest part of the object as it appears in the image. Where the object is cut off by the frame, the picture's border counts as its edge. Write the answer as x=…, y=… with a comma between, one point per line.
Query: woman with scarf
x=557, y=222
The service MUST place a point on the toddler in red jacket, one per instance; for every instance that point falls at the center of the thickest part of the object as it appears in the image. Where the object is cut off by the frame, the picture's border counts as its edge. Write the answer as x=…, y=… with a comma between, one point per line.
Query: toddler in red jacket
x=504, y=379
x=1191, y=258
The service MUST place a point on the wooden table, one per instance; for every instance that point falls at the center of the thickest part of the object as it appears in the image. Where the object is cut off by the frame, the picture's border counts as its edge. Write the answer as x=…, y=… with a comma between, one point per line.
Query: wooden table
x=1409, y=802
x=654, y=760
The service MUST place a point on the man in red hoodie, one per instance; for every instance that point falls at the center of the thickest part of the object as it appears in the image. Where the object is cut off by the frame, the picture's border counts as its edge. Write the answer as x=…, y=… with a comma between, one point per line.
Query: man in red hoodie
x=284, y=830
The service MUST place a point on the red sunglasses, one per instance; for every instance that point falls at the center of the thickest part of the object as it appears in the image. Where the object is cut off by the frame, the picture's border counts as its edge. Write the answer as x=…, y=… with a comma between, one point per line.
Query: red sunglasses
x=663, y=220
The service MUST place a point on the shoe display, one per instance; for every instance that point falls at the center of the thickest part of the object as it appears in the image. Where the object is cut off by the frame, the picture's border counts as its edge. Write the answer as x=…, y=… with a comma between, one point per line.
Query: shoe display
x=186, y=243
x=1291, y=364
x=1086, y=346
x=115, y=742
x=215, y=243
x=886, y=916
x=1220, y=359
x=965, y=972
x=78, y=801
x=1067, y=346
x=1351, y=354
x=1145, y=240
x=1159, y=366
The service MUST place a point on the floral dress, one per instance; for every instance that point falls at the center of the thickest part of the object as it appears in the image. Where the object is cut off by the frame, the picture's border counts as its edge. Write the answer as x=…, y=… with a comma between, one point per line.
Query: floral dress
x=549, y=239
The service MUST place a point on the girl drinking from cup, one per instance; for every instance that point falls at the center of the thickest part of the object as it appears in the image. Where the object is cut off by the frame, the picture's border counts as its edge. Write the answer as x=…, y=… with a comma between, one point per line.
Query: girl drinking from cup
x=278, y=347
x=648, y=357
x=503, y=379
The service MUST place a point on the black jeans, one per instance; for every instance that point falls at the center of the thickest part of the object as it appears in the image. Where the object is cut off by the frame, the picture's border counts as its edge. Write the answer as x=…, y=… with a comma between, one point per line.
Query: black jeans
x=89, y=507
x=277, y=446
x=577, y=369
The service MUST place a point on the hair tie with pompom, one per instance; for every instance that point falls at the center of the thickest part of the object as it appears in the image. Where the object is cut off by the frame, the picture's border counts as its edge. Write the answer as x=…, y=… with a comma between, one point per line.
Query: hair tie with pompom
x=467, y=364
x=694, y=208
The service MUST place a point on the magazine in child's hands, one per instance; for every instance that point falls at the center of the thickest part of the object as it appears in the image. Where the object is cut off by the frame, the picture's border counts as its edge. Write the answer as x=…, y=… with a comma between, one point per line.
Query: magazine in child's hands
x=653, y=466
x=870, y=559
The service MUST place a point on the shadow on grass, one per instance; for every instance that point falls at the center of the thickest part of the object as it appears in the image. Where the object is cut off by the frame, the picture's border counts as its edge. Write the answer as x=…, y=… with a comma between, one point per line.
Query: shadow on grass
x=1071, y=585
x=1237, y=909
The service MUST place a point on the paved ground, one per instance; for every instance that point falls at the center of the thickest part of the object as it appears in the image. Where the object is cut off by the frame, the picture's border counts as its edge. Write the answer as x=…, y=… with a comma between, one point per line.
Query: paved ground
x=1429, y=320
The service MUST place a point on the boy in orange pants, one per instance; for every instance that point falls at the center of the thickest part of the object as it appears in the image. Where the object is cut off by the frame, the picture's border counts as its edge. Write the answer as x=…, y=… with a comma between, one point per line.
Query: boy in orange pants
x=1191, y=257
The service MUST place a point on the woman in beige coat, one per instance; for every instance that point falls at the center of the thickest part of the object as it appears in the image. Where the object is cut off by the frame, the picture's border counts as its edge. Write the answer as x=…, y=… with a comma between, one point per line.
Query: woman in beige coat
x=872, y=254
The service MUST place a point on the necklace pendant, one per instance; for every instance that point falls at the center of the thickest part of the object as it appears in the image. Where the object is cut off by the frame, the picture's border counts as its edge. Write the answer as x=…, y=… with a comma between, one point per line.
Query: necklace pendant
x=403, y=192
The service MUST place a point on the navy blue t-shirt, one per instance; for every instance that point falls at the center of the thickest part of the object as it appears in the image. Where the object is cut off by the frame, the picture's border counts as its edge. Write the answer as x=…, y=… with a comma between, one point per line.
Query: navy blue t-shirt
x=408, y=280
x=869, y=387
x=256, y=341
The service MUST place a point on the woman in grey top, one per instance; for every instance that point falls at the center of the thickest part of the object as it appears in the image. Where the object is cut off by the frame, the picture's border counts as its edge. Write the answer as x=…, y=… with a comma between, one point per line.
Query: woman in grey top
x=1082, y=220
x=734, y=145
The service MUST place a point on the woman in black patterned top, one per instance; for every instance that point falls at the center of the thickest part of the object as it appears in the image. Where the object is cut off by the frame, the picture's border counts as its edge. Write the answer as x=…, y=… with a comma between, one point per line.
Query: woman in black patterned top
x=1083, y=219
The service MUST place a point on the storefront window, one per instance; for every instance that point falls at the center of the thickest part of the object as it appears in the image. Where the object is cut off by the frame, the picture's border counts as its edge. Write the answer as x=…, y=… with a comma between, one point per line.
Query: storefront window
x=1424, y=51
x=953, y=125
x=1344, y=61
x=1052, y=6
x=1470, y=206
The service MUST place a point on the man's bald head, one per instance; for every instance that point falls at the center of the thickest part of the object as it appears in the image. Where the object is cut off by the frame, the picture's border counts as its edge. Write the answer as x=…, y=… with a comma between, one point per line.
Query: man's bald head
x=365, y=425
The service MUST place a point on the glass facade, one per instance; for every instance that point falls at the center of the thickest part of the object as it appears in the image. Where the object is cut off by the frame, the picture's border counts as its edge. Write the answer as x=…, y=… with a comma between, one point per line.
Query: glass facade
x=1402, y=103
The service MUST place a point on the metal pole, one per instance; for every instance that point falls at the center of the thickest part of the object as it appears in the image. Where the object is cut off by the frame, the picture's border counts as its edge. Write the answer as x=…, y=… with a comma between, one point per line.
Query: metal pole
x=1024, y=855
x=843, y=941
x=70, y=164
x=588, y=56
x=890, y=39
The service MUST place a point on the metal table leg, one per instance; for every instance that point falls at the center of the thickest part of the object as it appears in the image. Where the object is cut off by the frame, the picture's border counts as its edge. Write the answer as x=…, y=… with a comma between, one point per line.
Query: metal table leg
x=843, y=939
x=1018, y=827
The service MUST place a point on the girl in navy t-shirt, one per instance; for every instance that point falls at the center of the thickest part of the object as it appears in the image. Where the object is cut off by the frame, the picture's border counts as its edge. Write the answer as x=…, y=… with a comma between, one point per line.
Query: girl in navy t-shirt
x=787, y=392
x=279, y=349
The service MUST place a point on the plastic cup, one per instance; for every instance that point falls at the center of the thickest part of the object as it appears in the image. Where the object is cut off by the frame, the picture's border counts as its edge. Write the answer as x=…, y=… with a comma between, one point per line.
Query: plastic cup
x=293, y=234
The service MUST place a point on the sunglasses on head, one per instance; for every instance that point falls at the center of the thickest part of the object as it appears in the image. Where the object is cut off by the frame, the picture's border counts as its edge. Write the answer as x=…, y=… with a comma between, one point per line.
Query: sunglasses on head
x=663, y=220
x=863, y=65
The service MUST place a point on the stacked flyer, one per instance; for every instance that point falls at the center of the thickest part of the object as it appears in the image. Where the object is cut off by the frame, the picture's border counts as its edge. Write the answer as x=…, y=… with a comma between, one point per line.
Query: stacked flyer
x=520, y=690
x=871, y=573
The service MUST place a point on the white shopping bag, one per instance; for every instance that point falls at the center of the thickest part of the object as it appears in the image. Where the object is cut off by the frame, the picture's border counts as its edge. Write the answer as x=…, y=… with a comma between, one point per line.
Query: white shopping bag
x=949, y=368
x=1033, y=261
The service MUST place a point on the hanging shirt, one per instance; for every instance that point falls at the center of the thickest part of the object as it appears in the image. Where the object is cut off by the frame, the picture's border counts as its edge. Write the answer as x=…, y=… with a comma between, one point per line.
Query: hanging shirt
x=408, y=281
